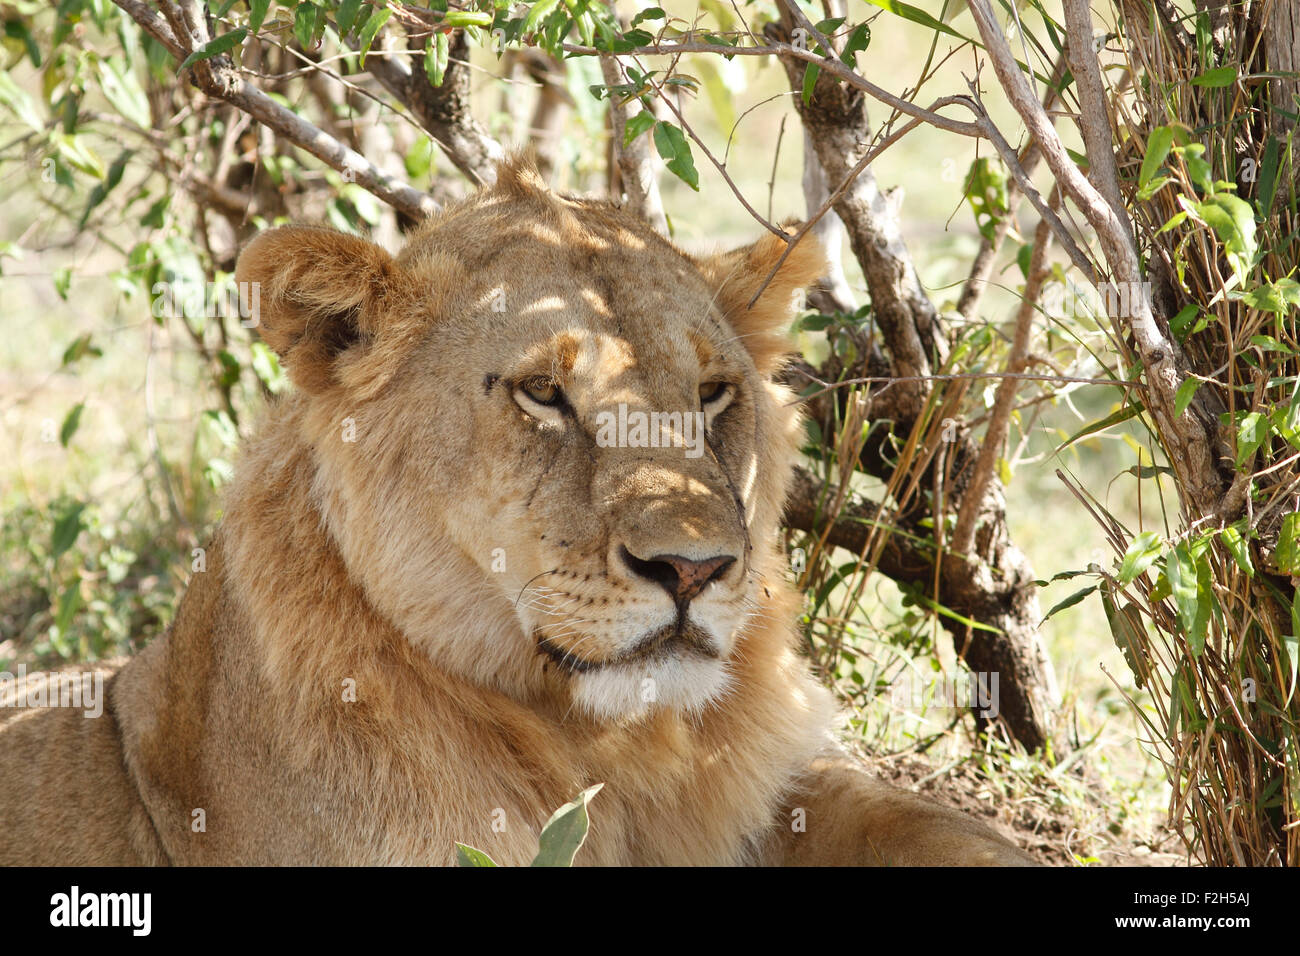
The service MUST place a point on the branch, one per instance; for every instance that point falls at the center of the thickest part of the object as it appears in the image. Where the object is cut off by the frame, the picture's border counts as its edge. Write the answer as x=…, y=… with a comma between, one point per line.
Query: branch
x=1094, y=117
x=834, y=293
x=852, y=528
x=995, y=437
x=637, y=171
x=217, y=78
x=443, y=111
x=830, y=65
x=1186, y=439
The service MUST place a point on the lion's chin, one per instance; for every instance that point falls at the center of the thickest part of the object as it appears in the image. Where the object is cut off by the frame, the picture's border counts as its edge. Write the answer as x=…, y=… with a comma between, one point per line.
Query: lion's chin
x=688, y=683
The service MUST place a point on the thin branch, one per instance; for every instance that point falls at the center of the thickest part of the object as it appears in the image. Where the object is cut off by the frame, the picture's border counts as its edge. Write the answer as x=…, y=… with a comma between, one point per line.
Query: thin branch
x=826, y=206
x=717, y=164
x=959, y=377
x=995, y=437
x=830, y=65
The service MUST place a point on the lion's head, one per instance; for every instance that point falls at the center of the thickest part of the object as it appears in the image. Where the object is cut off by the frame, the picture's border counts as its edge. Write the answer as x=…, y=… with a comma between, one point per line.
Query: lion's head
x=545, y=414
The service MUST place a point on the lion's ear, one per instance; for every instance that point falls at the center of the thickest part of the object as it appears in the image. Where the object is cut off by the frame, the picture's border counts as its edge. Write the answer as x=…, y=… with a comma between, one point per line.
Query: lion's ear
x=739, y=274
x=318, y=294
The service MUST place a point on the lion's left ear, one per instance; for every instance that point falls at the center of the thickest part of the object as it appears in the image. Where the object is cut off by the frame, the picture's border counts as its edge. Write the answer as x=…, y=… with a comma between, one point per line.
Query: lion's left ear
x=738, y=274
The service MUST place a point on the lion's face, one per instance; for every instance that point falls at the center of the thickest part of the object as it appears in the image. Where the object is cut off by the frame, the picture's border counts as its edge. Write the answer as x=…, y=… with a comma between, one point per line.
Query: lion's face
x=572, y=419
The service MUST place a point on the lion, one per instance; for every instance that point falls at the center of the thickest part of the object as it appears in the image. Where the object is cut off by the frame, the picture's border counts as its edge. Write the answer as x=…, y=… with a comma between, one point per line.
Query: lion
x=512, y=533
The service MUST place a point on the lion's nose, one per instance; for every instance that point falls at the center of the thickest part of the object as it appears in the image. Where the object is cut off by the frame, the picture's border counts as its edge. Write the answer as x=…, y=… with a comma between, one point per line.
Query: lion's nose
x=683, y=578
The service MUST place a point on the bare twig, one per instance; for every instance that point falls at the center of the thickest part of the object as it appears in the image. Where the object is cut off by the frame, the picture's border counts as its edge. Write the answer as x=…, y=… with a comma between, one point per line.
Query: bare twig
x=961, y=377
x=995, y=437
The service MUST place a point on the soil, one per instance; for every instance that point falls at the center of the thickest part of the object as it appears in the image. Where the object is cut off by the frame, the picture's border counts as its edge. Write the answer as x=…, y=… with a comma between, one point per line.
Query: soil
x=1050, y=835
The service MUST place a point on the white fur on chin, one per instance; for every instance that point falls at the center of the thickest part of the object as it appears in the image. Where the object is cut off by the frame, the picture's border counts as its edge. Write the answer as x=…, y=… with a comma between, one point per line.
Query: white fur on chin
x=683, y=683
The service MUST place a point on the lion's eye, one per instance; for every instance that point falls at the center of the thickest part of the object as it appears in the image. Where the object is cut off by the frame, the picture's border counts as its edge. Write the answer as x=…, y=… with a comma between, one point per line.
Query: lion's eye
x=712, y=391
x=542, y=391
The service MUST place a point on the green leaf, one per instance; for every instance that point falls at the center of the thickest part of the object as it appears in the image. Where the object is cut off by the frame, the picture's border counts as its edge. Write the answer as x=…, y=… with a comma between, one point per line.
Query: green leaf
x=468, y=856
x=123, y=90
x=810, y=81
x=66, y=529
x=908, y=12
x=1222, y=76
x=1129, y=634
x=1287, y=554
x=1291, y=645
x=1183, y=397
x=1174, y=222
x=304, y=24
x=1251, y=432
x=537, y=13
x=986, y=191
x=1233, y=221
x=368, y=32
x=101, y=190
x=1268, y=179
x=79, y=348
x=857, y=42
x=1274, y=297
x=1180, y=322
x=676, y=151
x=20, y=103
x=565, y=832
x=1240, y=550
x=227, y=41
x=1141, y=554
x=62, y=282
x=71, y=421
x=18, y=30
x=1024, y=256
x=637, y=125
x=1070, y=602
x=257, y=14
x=1193, y=608
x=435, y=58
x=649, y=13
x=1162, y=137
x=347, y=16
x=467, y=18
x=69, y=603
x=266, y=365
x=1114, y=418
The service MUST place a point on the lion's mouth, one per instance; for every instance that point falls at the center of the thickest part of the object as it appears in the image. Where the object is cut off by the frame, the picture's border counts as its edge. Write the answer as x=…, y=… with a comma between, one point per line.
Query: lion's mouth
x=670, y=640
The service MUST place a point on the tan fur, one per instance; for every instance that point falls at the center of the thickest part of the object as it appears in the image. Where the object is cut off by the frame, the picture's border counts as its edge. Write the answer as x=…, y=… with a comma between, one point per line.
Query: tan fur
x=375, y=563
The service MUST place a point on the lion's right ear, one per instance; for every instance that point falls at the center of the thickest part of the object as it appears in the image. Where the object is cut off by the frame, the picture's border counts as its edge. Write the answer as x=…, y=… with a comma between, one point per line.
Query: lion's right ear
x=318, y=294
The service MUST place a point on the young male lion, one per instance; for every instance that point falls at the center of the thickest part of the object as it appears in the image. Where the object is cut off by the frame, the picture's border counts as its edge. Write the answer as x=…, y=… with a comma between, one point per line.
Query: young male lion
x=459, y=579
